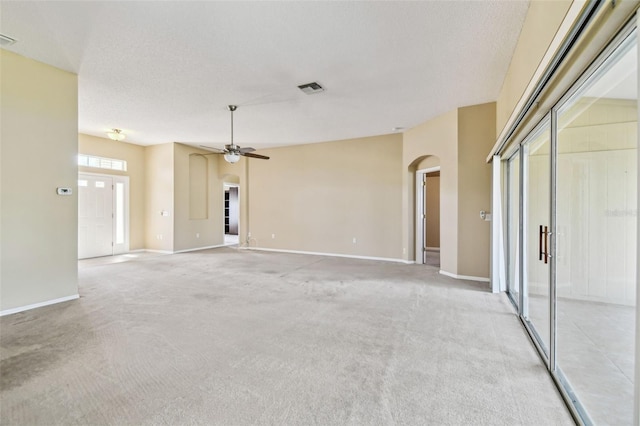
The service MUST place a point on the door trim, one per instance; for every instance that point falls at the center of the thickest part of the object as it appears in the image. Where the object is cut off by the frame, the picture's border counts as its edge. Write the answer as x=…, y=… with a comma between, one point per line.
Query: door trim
x=420, y=210
x=125, y=246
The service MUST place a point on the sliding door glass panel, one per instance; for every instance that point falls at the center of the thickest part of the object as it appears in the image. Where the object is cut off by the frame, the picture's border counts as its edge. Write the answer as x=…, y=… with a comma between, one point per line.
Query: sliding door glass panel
x=537, y=187
x=596, y=242
x=513, y=227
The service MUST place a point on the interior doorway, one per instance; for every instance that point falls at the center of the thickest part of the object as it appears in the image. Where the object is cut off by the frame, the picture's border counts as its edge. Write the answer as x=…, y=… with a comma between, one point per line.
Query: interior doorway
x=428, y=216
x=231, y=213
x=103, y=215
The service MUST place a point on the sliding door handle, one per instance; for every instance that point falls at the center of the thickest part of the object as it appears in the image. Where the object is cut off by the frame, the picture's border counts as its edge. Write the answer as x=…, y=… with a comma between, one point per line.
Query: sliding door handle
x=546, y=245
x=543, y=244
x=540, y=252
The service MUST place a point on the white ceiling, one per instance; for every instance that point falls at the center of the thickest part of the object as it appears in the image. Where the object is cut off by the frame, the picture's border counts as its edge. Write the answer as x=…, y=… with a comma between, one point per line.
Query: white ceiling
x=166, y=70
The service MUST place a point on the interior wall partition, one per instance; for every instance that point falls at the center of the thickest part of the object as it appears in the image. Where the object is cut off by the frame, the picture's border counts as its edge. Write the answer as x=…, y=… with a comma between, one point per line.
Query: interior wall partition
x=571, y=206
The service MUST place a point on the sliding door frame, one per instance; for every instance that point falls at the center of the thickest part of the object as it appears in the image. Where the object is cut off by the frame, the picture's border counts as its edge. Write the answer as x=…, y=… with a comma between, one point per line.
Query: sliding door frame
x=553, y=264
x=627, y=34
x=511, y=156
x=599, y=66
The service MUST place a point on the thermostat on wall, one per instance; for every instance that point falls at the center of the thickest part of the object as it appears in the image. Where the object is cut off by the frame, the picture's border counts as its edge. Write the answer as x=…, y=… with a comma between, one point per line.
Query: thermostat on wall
x=64, y=191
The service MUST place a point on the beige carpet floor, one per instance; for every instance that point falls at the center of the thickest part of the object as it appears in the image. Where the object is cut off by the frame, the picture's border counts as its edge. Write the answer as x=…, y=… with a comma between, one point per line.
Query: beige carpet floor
x=237, y=337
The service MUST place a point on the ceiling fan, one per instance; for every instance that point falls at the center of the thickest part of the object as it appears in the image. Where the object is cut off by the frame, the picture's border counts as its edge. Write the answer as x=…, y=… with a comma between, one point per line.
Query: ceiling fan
x=232, y=152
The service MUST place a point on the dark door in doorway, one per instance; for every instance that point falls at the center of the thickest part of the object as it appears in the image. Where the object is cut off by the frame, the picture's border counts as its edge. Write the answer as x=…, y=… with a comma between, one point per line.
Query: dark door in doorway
x=231, y=211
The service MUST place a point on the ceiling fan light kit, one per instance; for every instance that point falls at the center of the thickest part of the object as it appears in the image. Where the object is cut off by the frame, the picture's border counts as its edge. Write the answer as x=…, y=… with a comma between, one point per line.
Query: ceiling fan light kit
x=232, y=157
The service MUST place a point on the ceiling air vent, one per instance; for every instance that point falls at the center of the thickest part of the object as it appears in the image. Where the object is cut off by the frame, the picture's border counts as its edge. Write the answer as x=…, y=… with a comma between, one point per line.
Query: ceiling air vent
x=311, y=88
x=6, y=40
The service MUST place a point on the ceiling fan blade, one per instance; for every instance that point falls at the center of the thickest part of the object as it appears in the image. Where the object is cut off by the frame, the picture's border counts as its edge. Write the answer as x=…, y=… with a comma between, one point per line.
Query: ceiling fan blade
x=247, y=149
x=216, y=150
x=248, y=154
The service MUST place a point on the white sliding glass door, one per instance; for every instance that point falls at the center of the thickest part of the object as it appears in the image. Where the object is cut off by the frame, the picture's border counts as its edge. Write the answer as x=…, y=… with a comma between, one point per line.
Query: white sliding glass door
x=572, y=236
x=596, y=226
x=536, y=227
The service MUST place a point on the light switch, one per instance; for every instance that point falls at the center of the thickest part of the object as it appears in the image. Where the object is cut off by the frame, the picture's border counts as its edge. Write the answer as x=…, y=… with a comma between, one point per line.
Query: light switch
x=486, y=216
x=64, y=191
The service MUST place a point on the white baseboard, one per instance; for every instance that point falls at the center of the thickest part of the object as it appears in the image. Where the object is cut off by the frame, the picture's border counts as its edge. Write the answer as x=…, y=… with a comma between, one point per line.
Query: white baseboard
x=181, y=251
x=38, y=305
x=464, y=277
x=202, y=248
x=314, y=253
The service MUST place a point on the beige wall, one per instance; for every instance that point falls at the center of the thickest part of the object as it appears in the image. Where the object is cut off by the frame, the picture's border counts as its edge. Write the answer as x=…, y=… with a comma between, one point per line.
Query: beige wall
x=195, y=233
x=318, y=197
x=198, y=187
x=541, y=24
x=428, y=162
x=438, y=137
x=162, y=177
x=460, y=140
x=134, y=155
x=159, y=197
x=39, y=143
x=476, y=135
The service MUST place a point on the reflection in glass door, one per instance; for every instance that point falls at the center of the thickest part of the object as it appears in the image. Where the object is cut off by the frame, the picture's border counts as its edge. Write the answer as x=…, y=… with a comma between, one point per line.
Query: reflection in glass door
x=596, y=224
x=536, y=225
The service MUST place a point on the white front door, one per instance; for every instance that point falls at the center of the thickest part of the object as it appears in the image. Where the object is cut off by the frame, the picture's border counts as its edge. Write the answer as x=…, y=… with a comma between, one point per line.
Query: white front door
x=95, y=216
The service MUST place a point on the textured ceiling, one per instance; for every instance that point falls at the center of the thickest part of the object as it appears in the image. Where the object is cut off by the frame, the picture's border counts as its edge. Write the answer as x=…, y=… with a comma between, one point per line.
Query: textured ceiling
x=165, y=71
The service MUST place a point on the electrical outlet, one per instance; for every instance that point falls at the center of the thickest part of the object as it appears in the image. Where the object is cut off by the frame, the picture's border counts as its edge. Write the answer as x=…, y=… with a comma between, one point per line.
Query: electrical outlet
x=273, y=236
x=197, y=235
x=354, y=240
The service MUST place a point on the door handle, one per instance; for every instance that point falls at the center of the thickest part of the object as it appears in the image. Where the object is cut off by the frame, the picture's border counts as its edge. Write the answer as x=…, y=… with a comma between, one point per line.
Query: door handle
x=543, y=252
x=540, y=252
x=546, y=245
